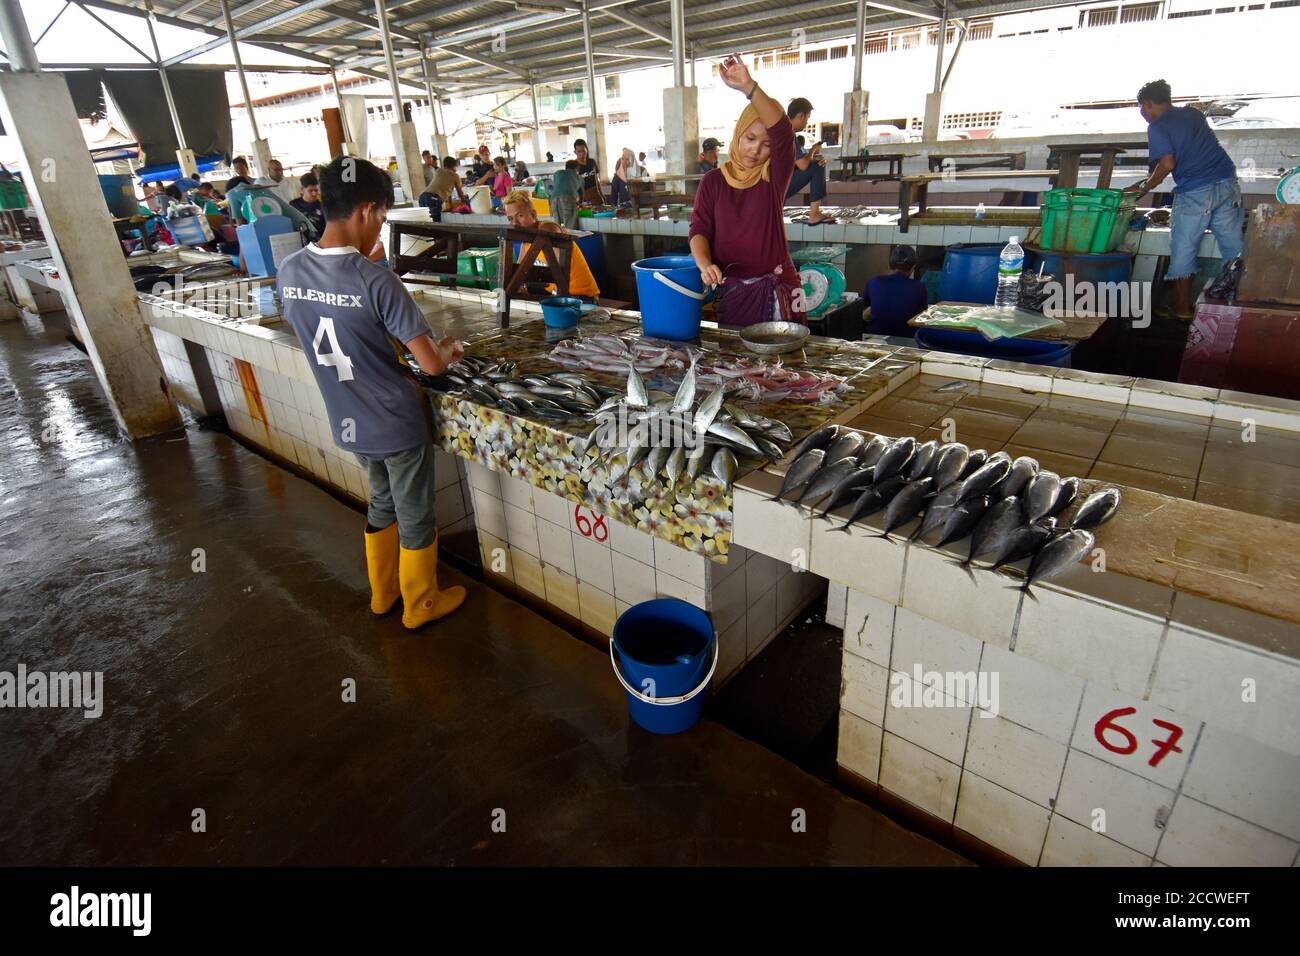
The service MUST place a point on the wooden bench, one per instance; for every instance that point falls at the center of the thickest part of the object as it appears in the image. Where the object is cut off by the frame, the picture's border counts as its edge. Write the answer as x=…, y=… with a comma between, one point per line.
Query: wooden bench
x=914, y=189
x=963, y=162
x=855, y=167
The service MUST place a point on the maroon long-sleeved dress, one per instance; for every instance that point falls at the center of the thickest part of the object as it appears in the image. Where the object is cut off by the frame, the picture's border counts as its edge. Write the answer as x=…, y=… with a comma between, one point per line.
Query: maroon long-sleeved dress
x=746, y=227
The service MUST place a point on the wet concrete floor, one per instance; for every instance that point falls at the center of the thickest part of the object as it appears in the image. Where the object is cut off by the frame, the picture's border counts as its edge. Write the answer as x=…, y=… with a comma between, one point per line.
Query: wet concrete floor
x=223, y=687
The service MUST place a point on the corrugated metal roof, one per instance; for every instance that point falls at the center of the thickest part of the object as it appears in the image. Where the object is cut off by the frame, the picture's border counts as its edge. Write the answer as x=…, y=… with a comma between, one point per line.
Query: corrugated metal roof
x=516, y=39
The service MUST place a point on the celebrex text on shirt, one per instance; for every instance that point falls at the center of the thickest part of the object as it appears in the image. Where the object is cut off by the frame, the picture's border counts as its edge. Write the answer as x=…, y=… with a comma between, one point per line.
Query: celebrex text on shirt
x=315, y=295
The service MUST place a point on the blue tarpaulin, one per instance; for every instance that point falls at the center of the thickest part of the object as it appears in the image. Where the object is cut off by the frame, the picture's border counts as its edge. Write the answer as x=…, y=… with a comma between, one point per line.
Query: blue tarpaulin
x=172, y=171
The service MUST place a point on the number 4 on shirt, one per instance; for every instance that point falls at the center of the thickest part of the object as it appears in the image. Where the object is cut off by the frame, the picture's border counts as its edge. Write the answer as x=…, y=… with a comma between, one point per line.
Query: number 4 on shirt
x=335, y=357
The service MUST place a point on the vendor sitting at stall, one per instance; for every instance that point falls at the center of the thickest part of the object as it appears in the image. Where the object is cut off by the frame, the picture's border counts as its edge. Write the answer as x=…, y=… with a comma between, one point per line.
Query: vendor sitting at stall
x=347, y=312
x=895, y=296
x=737, y=233
x=519, y=210
x=308, y=202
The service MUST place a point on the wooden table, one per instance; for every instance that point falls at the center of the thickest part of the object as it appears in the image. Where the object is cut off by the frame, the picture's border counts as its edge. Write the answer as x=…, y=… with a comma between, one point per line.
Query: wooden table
x=1121, y=153
x=1012, y=160
x=1068, y=157
x=447, y=241
x=651, y=194
x=913, y=189
x=853, y=166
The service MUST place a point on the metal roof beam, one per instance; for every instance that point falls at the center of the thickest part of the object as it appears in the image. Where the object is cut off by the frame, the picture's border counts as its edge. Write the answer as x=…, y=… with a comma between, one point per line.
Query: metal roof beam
x=640, y=23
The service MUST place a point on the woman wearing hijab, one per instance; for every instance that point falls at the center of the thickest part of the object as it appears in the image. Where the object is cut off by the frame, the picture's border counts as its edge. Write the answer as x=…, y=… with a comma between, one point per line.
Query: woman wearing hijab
x=737, y=233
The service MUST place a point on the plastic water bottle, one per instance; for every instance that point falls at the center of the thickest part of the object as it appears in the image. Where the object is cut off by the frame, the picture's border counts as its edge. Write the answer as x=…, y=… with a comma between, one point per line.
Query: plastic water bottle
x=979, y=213
x=1010, y=262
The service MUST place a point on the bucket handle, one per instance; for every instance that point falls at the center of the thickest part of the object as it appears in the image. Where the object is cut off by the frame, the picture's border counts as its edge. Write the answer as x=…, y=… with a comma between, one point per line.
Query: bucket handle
x=663, y=701
x=689, y=293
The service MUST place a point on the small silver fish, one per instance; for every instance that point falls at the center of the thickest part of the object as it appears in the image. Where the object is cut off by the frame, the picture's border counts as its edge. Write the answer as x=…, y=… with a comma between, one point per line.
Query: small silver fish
x=962, y=519
x=906, y=505
x=951, y=387
x=896, y=457
x=723, y=466
x=982, y=482
x=849, y=487
x=1065, y=497
x=779, y=431
x=700, y=456
x=1017, y=479
x=636, y=390
x=734, y=433
x=655, y=459
x=824, y=482
x=685, y=397
x=770, y=449
x=708, y=410
x=919, y=466
x=676, y=462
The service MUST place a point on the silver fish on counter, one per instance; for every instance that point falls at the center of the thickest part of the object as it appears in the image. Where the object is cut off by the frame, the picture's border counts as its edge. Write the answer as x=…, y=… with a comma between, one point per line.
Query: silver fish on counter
x=734, y=433
x=817, y=439
x=1022, y=469
x=1024, y=542
x=1040, y=495
x=675, y=465
x=850, y=486
x=872, y=450
x=989, y=536
x=801, y=471
x=708, y=409
x=983, y=481
x=824, y=482
x=723, y=466
x=962, y=519
x=1069, y=490
x=922, y=458
x=974, y=462
x=685, y=397
x=846, y=446
x=906, y=505
x=656, y=459
x=949, y=462
x=637, y=396
x=1060, y=553
x=895, y=458
x=700, y=456
x=1096, y=509
x=872, y=500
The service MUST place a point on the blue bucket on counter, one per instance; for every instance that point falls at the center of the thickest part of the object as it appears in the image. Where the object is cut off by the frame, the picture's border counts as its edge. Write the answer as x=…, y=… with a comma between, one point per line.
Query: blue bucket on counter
x=671, y=293
x=561, y=311
x=970, y=273
x=665, y=646
x=1034, y=351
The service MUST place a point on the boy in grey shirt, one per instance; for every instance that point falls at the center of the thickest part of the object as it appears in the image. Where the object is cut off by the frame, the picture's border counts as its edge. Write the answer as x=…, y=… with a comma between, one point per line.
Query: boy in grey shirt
x=347, y=311
x=566, y=187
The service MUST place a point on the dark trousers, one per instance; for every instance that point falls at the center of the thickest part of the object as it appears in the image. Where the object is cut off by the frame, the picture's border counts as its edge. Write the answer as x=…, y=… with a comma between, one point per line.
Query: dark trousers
x=433, y=203
x=813, y=179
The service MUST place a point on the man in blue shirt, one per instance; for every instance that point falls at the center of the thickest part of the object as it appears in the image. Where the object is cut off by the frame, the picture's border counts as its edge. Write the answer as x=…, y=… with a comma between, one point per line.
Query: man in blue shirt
x=347, y=312
x=1206, y=192
x=895, y=296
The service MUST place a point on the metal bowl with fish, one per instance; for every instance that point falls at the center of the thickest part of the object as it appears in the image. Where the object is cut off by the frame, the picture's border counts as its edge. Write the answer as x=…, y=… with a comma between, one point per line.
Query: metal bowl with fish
x=774, y=338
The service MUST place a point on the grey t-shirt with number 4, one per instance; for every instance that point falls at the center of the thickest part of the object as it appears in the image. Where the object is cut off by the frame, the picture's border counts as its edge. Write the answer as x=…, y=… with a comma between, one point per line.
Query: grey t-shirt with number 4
x=344, y=308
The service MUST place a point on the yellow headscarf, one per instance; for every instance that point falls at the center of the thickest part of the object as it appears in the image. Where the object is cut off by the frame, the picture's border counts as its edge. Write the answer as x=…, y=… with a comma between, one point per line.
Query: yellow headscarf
x=738, y=176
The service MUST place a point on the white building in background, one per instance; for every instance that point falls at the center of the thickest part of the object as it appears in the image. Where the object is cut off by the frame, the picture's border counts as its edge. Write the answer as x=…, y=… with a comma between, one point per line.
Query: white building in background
x=1058, y=70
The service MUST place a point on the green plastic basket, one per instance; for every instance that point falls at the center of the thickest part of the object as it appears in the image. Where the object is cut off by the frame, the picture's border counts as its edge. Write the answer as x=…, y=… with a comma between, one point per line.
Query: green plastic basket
x=1085, y=221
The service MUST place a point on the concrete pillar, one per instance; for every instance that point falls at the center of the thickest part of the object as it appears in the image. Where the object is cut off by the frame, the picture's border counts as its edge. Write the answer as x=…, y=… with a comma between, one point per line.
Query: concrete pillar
x=538, y=149
x=188, y=163
x=595, y=128
x=410, y=165
x=933, y=116
x=101, y=299
x=262, y=157
x=681, y=129
x=854, y=136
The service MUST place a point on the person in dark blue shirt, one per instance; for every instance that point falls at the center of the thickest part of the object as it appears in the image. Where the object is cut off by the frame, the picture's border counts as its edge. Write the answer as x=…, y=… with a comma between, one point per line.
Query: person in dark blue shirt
x=895, y=296
x=1206, y=191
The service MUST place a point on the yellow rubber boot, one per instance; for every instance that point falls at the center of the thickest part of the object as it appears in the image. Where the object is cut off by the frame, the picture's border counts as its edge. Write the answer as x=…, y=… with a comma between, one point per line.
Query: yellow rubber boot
x=423, y=601
x=381, y=566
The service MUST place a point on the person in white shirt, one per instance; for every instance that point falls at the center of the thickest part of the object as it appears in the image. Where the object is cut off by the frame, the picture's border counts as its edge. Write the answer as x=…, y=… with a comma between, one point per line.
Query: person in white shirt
x=286, y=187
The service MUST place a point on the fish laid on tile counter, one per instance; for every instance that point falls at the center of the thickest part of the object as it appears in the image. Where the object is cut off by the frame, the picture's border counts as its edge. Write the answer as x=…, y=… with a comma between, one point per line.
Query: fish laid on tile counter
x=549, y=440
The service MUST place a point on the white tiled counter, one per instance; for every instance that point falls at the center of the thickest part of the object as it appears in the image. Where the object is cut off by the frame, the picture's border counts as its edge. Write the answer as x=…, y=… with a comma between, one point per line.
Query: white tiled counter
x=259, y=379
x=1133, y=723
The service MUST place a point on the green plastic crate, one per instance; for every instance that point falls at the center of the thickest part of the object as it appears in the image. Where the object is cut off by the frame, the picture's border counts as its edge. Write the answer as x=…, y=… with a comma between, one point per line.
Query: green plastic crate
x=477, y=268
x=1085, y=221
x=13, y=195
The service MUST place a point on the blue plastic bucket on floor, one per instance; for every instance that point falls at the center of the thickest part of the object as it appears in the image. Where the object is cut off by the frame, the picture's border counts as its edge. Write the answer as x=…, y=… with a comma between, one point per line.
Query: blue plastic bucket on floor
x=664, y=646
x=561, y=311
x=1034, y=351
x=671, y=293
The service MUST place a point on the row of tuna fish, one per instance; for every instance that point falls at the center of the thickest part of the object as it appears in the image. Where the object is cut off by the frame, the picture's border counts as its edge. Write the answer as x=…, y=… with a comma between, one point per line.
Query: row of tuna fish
x=1010, y=509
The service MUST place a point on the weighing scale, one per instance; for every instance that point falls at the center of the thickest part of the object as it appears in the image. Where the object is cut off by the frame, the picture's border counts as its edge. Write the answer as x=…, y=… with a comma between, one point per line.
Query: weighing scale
x=1288, y=190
